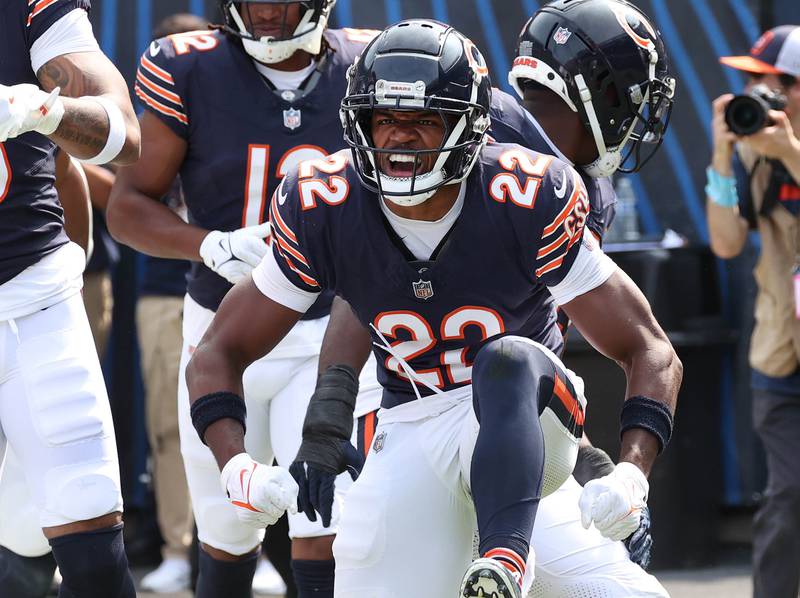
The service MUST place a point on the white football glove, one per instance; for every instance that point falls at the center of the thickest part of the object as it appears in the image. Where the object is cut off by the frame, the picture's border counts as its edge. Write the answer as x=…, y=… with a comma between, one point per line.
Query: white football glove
x=259, y=493
x=614, y=502
x=233, y=255
x=25, y=108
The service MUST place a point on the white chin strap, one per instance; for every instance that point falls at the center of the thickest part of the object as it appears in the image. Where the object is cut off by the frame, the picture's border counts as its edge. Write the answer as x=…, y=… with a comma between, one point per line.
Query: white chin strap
x=609, y=158
x=306, y=37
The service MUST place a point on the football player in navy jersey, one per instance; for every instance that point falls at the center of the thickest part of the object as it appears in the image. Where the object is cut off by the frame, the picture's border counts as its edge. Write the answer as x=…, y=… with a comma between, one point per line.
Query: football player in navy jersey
x=448, y=248
x=232, y=111
x=579, y=562
x=56, y=87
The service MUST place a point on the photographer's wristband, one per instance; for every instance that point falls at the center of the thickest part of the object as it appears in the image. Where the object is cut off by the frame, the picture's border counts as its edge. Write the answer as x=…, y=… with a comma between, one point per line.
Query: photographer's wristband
x=721, y=189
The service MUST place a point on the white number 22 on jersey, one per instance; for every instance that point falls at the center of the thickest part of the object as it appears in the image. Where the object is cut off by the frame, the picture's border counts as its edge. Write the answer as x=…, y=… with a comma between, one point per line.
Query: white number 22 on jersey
x=454, y=325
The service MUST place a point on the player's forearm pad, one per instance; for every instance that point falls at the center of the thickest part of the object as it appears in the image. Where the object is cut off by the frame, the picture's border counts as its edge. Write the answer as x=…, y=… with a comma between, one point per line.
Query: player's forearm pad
x=216, y=406
x=647, y=414
x=592, y=463
x=330, y=412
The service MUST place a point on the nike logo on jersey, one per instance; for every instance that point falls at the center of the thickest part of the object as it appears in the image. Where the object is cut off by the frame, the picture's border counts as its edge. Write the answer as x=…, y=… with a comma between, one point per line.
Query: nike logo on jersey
x=562, y=190
x=281, y=195
x=155, y=48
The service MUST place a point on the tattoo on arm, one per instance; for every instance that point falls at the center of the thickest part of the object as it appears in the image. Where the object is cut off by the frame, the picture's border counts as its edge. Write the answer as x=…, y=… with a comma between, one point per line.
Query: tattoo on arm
x=86, y=127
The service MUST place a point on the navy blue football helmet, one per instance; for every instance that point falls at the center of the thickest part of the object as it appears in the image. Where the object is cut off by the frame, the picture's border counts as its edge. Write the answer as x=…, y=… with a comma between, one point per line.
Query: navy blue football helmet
x=307, y=36
x=607, y=61
x=418, y=65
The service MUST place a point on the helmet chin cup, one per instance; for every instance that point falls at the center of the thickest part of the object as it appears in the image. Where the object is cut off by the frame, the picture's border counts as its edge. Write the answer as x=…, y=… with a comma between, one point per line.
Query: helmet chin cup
x=307, y=37
x=605, y=165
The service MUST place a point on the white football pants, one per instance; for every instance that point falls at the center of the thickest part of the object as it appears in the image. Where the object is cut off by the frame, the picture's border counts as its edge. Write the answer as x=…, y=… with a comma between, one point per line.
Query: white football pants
x=54, y=412
x=408, y=521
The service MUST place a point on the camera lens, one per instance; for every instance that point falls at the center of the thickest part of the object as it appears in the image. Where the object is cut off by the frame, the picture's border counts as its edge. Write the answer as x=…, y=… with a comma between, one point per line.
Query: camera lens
x=746, y=115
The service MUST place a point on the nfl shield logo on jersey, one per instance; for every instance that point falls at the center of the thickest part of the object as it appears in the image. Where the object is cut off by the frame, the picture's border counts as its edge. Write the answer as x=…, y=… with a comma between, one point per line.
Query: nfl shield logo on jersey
x=423, y=289
x=292, y=118
x=561, y=35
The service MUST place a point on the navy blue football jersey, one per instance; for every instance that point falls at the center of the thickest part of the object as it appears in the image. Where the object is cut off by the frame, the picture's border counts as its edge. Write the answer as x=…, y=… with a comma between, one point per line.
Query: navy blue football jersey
x=519, y=231
x=511, y=123
x=31, y=219
x=242, y=135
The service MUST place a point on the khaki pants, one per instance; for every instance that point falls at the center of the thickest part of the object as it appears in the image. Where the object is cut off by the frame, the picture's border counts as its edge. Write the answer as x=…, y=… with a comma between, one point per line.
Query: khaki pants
x=99, y=302
x=160, y=339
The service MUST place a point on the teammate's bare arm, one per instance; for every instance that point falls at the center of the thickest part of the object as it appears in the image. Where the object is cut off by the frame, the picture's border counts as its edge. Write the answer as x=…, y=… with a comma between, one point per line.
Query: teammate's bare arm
x=100, y=180
x=246, y=327
x=630, y=335
x=136, y=215
x=85, y=127
x=73, y=194
x=346, y=341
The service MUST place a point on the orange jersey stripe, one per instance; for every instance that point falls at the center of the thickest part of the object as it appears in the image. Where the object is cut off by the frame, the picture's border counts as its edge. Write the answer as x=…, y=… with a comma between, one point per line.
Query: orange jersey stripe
x=158, y=90
x=159, y=107
x=304, y=277
x=570, y=402
x=293, y=252
x=151, y=67
x=281, y=224
x=40, y=6
x=551, y=265
x=553, y=246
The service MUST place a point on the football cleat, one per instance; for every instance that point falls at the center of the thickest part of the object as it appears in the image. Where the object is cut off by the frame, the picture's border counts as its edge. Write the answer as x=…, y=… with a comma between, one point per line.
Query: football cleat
x=488, y=578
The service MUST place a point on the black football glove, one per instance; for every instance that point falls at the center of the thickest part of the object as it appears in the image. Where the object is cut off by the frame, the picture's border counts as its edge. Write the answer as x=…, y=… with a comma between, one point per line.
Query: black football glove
x=326, y=451
x=317, y=480
x=640, y=542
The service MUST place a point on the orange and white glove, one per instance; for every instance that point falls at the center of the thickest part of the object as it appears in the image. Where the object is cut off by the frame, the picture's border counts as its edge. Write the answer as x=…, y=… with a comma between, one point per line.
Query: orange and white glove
x=259, y=493
x=615, y=502
x=25, y=108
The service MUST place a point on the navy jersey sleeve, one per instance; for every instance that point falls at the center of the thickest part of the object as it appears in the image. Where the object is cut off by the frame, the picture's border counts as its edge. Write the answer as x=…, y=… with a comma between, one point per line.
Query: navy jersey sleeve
x=159, y=85
x=559, y=218
x=41, y=14
x=301, y=220
x=289, y=241
x=511, y=123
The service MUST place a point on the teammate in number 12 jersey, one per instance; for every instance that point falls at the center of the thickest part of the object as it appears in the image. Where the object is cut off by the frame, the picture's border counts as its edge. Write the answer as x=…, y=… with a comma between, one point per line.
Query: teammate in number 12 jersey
x=232, y=111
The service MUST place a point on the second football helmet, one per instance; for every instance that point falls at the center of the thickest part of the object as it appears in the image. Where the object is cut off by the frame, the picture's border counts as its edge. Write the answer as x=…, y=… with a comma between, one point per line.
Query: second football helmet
x=413, y=66
x=607, y=61
x=307, y=36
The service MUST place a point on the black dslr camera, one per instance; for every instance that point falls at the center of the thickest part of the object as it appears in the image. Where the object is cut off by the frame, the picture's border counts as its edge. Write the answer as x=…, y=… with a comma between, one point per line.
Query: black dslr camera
x=748, y=113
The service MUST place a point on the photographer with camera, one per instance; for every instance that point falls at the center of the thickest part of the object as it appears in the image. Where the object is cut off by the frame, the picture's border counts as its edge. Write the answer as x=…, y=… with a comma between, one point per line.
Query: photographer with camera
x=754, y=183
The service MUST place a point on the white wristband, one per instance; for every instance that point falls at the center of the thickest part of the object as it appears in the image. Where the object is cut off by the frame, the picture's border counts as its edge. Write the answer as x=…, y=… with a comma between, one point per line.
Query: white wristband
x=117, y=131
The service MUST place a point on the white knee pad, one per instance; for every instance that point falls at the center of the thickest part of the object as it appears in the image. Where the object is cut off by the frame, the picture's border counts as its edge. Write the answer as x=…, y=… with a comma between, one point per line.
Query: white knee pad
x=81, y=491
x=219, y=527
